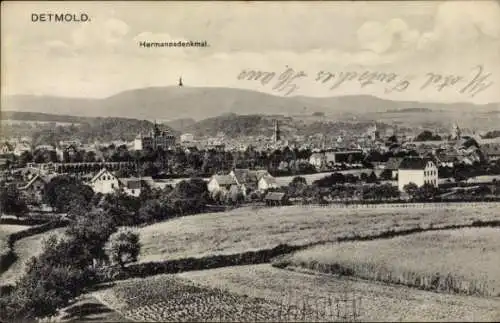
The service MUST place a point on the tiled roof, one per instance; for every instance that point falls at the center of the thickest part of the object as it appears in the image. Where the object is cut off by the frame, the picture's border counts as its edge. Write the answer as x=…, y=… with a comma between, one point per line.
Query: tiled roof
x=447, y=158
x=393, y=163
x=269, y=179
x=413, y=163
x=224, y=179
x=102, y=171
x=244, y=176
x=45, y=179
x=131, y=183
x=275, y=196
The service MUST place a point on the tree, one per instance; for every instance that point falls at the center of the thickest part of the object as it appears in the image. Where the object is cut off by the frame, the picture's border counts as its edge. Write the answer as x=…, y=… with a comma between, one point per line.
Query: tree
x=426, y=135
x=427, y=191
x=150, y=210
x=123, y=247
x=372, y=178
x=327, y=181
x=411, y=189
x=122, y=208
x=62, y=192
x=89, y=156
x=42, y=291
x=11, y=201
x=26, y=157
x=297, y=186
x=50, y=281
x=91, y=230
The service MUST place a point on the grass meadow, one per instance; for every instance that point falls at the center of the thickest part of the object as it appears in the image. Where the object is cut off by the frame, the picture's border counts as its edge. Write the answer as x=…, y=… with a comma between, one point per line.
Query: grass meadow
x=249, y=229
x=5, y=231
x=465, y=261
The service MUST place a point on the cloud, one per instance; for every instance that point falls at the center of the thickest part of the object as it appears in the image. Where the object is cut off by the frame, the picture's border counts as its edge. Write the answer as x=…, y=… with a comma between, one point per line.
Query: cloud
x=106, y=32
x=381, y=38
x=58, y=48
x=462, y=26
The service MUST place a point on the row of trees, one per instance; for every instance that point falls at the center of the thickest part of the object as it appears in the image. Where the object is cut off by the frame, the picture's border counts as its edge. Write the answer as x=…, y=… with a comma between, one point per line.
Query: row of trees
x=340, y=187
x=65, y=194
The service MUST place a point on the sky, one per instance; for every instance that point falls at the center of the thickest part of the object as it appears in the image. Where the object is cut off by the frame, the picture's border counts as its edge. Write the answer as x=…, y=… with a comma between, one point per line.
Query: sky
x=102, y=57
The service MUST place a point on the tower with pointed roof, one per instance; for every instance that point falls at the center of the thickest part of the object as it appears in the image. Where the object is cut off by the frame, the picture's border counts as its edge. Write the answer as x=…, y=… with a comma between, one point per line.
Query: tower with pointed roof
x=277, y=132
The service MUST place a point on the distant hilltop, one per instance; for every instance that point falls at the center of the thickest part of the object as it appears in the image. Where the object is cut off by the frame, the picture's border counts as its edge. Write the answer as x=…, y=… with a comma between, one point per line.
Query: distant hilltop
x=417, y=110
x=174, y=102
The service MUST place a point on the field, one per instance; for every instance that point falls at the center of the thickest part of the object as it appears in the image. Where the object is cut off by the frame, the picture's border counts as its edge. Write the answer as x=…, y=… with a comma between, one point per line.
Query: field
x=165, y=298
x=25, y=249
x=86, y=308
x=261, y=292
x=458, y=261
x=247, y=229
x=5, y=231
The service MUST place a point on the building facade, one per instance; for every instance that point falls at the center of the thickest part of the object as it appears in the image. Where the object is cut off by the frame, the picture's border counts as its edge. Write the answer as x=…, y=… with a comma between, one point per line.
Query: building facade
x=155, y=140
x=419, y=171
x=104, y=182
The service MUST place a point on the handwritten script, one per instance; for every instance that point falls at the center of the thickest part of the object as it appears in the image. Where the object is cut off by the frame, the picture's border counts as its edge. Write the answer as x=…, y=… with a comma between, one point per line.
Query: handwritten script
x=287, y=81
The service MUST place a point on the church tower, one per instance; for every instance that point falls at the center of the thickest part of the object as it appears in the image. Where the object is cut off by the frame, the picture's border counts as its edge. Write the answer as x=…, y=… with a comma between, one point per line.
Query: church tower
x=456, y=133
x=180, y=81
x=277, y=134
x=376, y=132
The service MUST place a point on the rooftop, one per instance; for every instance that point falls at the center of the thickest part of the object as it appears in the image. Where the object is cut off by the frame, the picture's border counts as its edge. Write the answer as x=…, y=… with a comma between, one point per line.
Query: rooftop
x=413, y=163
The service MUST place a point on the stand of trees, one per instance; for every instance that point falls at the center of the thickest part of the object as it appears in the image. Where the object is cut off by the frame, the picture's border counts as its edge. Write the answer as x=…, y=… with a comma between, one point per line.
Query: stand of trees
x=426, y=135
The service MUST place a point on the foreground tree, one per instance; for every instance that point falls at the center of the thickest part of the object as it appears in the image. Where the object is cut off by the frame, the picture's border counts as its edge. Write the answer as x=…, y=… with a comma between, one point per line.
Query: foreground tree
x=50, y=281
x=123, y=247
x=91, y=230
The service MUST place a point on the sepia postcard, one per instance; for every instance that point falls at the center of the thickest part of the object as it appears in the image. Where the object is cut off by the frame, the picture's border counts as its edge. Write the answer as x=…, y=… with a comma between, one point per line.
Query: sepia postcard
x=250, y=161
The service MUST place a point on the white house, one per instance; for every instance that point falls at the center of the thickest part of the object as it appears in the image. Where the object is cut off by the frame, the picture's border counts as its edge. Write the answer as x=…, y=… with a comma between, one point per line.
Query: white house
x=6, y=148
x=419, y=171
x=220, y=182
x=317, y=160
x=187, y=137
x=267, y=182
x=248, y=179
x=104, y=182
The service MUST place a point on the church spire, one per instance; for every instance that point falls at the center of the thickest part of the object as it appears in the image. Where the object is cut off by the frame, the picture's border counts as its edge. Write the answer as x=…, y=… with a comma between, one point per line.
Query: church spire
x=277, y=134
x=180, y=81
